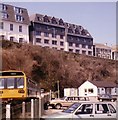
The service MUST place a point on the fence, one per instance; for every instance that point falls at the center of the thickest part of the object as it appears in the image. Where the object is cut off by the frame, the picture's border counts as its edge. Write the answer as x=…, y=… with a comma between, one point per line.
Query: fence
x=29, y=108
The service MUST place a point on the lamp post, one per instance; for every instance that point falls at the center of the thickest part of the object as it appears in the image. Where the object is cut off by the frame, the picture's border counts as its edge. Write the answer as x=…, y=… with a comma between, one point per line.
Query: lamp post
x=58, y=88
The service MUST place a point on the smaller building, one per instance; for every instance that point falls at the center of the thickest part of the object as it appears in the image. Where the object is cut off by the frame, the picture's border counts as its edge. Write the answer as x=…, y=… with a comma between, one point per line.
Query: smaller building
x=114, y=53
x=70, y=92
x=14, y=23
x=95, y=88
x=102, y=51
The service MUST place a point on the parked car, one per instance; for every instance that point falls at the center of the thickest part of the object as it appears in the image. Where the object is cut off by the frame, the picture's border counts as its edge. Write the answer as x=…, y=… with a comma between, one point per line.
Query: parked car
x=85, y=110
x=66, y=101
x=106, y=97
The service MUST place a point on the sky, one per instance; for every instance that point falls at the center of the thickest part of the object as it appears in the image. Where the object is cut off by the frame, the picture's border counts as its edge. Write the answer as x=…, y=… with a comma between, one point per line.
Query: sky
x=99, y=18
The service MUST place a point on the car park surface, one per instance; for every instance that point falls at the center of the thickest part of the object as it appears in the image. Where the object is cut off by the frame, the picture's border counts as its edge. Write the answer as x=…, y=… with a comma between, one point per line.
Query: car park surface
x=86, y=110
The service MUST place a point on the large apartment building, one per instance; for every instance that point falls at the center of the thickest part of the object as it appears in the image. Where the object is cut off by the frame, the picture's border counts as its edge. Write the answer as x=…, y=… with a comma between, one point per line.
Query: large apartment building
x=14, y=23
x=53, y=32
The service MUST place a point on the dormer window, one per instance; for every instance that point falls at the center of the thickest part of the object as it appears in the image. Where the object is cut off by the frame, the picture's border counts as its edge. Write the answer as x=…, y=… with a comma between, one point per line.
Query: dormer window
x=46, y=19
x=39, y=19
x=19, y=18
x=4, y=7
x=18, y=10
x=61, y=22
x=54, y=20
x=83, y=32
x=70, y=30
x=77, y=31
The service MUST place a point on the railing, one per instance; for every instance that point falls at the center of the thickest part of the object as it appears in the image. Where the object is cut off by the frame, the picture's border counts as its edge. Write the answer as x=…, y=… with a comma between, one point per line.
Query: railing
x=31, y=108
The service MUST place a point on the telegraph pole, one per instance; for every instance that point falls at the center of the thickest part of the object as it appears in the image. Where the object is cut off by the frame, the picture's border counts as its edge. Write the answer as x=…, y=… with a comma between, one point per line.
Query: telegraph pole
x=58, y=88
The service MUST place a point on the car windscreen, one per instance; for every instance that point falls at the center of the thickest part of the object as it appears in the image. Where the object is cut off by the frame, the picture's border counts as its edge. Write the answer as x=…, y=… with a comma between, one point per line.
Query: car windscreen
x=72, y=108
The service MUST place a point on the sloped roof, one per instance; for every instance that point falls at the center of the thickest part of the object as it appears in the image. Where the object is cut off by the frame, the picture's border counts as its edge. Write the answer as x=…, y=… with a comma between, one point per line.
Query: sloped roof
x=103, y=83
x=102, y=46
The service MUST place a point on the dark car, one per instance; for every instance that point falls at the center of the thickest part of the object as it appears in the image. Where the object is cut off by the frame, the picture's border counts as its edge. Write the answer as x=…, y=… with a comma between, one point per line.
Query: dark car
x=106, y=97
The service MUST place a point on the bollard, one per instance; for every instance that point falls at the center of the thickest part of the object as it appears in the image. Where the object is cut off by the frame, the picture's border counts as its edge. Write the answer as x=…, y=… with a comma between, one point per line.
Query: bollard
x=1, y=109
x=32, y=108
x=40, y=106
x=23, y=109
x=8, y=115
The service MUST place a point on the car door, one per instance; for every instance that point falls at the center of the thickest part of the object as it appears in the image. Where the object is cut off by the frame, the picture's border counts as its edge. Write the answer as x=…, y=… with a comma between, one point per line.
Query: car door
x=84, y=111
x=102, y=110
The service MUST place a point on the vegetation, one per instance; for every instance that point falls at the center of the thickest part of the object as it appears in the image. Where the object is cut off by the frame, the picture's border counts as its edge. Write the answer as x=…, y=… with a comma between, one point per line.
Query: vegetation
x=47, y=66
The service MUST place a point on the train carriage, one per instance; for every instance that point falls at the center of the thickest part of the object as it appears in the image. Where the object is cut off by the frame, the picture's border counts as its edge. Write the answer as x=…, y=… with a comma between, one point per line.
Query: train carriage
x=15, y=85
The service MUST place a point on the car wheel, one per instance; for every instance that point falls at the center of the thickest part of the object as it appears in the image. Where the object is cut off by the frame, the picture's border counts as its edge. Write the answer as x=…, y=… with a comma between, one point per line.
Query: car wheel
x=101, y=100
x=112, y=100
x=58, y=106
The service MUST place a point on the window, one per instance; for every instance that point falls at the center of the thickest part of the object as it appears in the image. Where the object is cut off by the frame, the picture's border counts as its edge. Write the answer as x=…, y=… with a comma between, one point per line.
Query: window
x=53, y=35
x=70, y=50
x=18, y=10
x=54, y=42
x=77, y=51
x=19, y=18
x=38, y=40
x=2, y=37
x=11, y=27
x=62, y=49
x=112, y=109
x=89, y=46
x=83, y=46
x=77, y=45
x=2, y=83
x=11, y=39
x=4, y=7
x=10, y=83
x=70, y=44
x=46, y=34
x=101, y=108
x=1, y=25
x=90, y=91
x=85, y=90
x=89, y=52
x=46, y=41
x=84, y=52
x=85, y=109
x=61, y=43
x=20, y=40
x=38, y=33
x=4, y=15
x=20, y=82
x=20, y=28
x=61, y=36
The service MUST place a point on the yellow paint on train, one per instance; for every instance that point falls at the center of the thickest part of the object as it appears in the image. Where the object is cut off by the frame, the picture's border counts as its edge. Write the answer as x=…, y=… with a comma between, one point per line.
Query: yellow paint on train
x=14, y=84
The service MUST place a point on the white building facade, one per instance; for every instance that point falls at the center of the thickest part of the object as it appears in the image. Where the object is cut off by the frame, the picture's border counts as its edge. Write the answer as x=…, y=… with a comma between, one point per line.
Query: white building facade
x=14, y=25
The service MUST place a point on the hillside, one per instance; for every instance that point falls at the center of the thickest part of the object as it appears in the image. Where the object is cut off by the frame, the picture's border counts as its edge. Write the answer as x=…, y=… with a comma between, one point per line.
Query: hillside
x=47, y=66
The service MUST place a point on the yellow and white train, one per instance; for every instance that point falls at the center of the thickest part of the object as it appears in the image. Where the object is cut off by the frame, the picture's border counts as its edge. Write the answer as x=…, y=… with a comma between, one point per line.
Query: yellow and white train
x=15, y=85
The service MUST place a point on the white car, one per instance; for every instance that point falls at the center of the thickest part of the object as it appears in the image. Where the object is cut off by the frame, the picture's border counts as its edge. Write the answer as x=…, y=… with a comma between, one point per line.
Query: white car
x=85, y=110
x=66, y=101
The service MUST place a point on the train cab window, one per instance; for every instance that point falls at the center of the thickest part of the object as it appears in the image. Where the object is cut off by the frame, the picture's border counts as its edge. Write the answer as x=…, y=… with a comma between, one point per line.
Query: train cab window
x=10, y=83
x=1, y=83
x=20, y=82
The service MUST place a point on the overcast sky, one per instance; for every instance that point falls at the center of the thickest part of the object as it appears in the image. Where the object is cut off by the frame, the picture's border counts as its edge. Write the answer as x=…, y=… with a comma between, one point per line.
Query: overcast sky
x=99, y=18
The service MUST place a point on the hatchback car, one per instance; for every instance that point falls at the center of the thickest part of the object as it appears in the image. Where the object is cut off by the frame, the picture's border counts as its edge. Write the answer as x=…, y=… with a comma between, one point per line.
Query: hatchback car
x=106, y=97
x=85, y=110
x=66, y=101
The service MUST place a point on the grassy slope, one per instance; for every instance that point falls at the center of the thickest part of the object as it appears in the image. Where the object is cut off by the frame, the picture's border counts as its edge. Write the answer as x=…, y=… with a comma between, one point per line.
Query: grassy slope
x=47, y=66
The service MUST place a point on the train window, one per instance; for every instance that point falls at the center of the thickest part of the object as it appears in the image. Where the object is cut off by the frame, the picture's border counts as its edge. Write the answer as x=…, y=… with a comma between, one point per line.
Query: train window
x=20, y=82
x=1, y=83
x=10, y=83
